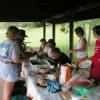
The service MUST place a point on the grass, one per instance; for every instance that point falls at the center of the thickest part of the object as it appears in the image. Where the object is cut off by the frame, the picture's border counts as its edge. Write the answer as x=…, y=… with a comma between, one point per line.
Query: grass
x=62, y=40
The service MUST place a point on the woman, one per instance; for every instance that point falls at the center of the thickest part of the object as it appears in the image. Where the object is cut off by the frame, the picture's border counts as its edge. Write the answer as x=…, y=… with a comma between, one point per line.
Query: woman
x=47, y=52
x=95, y=71
x=49, y=47
x=81, y=46
x=9, y=61
x=43, y=45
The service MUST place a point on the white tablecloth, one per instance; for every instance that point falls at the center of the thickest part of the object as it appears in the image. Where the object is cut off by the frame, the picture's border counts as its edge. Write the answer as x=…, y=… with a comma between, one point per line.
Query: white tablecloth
x=37, y=92
x=40, y=93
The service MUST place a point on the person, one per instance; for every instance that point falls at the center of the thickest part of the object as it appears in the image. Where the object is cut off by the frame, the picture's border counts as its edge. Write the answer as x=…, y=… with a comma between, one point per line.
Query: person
x=21, y=42
x=49, y=47
x=47, y=50
x=81, y=46
x=22, y=35
x=23, y=46
x=95, y=70
x=10, y=61
x=43, y=45
x=59, y=57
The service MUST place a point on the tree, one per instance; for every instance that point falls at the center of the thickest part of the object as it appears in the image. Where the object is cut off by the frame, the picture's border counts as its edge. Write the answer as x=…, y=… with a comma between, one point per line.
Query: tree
x=65, y=28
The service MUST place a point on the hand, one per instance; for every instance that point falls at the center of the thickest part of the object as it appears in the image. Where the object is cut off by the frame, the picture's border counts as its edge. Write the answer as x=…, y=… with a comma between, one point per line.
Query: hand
x=70, y=51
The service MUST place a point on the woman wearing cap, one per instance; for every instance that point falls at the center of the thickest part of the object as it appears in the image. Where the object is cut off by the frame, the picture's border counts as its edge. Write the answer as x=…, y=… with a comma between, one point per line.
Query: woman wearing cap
x=81, y=46
x=9, y=61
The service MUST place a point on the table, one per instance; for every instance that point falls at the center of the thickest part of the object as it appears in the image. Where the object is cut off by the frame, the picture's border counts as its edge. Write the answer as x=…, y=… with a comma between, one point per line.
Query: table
x=36, y=92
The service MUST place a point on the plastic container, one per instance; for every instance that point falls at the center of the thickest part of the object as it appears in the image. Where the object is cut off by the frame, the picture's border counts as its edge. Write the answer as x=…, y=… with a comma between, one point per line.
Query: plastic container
x=81, y=91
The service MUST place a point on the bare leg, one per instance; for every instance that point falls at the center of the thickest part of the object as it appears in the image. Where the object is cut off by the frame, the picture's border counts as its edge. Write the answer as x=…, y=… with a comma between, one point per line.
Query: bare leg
x=1, y=86
x=7, y=90
x=1, y=82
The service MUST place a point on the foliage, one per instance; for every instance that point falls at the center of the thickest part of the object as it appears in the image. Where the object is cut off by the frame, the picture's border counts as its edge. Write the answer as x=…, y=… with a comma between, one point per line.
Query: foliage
x=64, y=28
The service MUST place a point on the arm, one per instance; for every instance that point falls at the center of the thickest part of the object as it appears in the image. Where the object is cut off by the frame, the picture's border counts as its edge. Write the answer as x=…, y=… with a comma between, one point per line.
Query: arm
x=83, y=46
x=18, y=60
x=40, y=48
x=16, y=53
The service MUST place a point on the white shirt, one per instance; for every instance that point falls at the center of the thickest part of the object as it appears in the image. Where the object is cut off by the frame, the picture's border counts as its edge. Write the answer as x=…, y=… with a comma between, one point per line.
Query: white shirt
x=48, y=50
x=81, y=54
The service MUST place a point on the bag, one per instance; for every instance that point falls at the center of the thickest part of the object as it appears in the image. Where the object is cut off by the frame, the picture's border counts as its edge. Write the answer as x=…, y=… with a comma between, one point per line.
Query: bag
x=65, y=74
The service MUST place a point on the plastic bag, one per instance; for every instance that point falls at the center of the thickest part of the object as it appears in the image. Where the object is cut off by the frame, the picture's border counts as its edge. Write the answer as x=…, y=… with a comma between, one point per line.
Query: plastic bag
x=65, y=74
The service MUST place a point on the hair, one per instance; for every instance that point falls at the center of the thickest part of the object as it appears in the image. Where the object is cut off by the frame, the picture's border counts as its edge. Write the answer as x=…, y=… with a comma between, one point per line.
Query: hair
x=52, y=42
x=96, y=29
x=79, y=30
x=43, y=40
x=11, y=31
x=56, y=50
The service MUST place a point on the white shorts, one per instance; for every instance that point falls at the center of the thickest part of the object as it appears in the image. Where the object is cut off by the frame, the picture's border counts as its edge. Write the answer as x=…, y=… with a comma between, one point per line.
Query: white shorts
x=9, y=72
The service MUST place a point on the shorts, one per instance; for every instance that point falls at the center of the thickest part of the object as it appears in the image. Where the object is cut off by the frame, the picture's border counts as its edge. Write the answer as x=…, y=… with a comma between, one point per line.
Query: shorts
x=9, y=72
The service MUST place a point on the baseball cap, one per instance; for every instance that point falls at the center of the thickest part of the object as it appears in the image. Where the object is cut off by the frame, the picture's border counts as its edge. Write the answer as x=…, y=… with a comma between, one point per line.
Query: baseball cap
x=22, y=33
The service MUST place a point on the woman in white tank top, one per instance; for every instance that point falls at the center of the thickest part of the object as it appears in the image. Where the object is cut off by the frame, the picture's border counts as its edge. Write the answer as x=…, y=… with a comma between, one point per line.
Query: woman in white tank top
x=81, y=46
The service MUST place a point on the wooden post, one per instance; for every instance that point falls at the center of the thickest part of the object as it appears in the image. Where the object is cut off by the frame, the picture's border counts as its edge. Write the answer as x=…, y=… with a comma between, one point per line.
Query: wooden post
x=71, y=39
x=53, y=31
x=44, y=30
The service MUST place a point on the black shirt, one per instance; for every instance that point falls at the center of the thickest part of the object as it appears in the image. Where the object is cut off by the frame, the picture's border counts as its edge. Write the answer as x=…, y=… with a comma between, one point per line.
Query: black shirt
x=63, y=59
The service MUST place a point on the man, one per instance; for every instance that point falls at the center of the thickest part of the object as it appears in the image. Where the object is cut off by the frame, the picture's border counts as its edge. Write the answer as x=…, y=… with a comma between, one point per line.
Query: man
x=21, y=41
x=22, y=34
x=59, y=57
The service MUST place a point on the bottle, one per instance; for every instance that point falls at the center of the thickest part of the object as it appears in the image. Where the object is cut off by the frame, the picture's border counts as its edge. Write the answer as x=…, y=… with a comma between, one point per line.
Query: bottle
x=52, y=67
x=57, y=73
